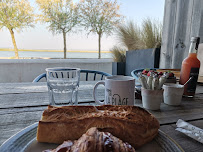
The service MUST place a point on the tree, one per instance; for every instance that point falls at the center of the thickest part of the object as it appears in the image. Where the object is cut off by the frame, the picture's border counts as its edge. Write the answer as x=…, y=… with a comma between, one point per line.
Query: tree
x=100, y=16
x=16, y=15
x=61, y=15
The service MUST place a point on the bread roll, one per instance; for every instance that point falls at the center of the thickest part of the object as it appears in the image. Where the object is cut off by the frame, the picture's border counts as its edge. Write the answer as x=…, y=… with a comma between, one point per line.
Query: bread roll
x=129, y=123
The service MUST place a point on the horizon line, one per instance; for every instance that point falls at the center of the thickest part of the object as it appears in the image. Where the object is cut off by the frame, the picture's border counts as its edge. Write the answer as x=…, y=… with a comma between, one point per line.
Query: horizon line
x=36, y=50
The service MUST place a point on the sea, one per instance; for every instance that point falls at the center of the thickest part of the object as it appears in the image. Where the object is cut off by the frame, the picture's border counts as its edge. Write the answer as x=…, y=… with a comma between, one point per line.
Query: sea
x=34, y=54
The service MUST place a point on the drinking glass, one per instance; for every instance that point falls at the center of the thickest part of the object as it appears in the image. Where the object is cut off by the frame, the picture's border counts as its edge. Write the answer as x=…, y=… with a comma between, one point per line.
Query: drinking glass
x=63, y=85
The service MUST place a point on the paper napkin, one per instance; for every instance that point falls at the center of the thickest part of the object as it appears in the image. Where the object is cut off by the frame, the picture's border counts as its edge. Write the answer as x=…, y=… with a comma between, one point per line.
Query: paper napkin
x=190, y=130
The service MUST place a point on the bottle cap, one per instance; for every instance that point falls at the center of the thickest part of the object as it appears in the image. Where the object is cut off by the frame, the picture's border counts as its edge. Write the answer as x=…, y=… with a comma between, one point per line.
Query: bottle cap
x=194, y=39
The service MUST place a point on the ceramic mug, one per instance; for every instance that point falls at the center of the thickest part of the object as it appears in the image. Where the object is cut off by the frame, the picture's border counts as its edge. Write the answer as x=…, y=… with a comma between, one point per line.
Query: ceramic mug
x=119, y=90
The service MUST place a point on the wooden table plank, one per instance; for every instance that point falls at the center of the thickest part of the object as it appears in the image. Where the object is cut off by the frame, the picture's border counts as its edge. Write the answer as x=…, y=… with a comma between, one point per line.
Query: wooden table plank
x=165, y=114
x=41, y=98
x=27, y=87
x=14, y=88
x=187, y=143
x=23, y=100
x=190, y=108
x=22, y=119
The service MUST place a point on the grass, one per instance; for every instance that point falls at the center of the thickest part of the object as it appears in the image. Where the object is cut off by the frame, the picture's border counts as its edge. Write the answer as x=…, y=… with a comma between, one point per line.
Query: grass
x=133, y=37
x=129, y=35
x=118, y=54
x=151, y=33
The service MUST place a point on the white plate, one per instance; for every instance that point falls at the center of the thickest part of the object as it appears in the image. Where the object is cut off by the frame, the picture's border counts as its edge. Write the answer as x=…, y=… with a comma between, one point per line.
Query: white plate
x=25, y=141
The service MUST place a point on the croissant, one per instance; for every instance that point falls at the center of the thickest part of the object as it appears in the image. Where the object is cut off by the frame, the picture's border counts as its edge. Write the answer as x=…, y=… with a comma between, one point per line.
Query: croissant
x=95, y=141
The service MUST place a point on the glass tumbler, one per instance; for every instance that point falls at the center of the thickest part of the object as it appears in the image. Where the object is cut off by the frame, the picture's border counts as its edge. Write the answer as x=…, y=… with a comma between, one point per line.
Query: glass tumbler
x=63, y=85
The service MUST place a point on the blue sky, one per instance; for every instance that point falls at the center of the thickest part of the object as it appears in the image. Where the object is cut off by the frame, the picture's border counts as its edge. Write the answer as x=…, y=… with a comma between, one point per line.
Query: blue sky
x=40, y=38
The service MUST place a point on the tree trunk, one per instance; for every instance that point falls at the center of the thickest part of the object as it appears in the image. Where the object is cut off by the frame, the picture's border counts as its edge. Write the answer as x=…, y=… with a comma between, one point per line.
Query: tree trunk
x=99, y=57
x=14, y=43
x=64, y=41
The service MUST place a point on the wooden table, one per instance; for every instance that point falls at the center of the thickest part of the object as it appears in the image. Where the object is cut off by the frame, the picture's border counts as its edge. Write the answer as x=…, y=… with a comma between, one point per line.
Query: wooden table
x=22, y=104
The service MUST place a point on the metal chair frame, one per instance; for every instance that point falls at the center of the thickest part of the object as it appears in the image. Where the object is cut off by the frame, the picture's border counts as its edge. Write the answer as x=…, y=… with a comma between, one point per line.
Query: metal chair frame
x=103, y=74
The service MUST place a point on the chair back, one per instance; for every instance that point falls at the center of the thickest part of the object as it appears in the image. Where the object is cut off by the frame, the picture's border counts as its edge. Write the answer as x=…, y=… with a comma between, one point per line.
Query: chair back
x=85, y=75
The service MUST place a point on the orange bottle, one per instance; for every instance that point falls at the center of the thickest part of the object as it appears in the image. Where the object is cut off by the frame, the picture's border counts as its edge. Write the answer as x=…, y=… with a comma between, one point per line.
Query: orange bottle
x=190, y=68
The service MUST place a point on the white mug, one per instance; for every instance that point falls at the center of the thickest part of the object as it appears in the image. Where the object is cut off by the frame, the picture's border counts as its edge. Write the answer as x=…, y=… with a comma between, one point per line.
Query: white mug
x=119, y=90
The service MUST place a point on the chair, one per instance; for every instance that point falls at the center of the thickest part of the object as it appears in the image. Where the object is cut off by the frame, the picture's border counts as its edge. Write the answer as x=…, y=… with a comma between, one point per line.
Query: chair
x=87, y=73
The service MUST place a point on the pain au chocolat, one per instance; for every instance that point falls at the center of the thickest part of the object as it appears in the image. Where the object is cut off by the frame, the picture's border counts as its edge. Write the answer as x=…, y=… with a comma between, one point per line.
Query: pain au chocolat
x=129, y=123
x=94, y=141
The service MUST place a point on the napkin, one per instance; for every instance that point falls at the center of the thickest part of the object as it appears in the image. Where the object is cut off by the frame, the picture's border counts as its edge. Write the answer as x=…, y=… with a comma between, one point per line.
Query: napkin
x=190, y=130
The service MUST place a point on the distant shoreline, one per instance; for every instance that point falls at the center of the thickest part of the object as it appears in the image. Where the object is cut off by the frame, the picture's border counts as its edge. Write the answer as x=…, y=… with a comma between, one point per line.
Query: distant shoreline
x=6, y=49
x=48, y=58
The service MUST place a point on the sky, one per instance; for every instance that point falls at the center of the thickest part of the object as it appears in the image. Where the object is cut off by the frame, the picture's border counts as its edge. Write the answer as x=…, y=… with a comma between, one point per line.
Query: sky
x=40, y=38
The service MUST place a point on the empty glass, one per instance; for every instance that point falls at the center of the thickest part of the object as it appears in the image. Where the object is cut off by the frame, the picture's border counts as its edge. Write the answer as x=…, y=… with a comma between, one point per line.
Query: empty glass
x=63, y=85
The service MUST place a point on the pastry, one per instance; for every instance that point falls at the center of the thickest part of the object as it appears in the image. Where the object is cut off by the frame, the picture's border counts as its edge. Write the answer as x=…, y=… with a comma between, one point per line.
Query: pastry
x=95, y=141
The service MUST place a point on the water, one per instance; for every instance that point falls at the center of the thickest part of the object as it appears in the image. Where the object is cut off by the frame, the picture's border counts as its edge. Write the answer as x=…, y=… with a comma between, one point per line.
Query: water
x=63, y=92
x=54, y=54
